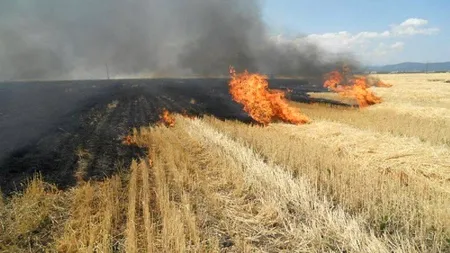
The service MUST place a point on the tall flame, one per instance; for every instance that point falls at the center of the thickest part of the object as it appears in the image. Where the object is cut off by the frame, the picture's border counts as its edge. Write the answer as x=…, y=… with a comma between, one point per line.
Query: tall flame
x=350, y=86
x=261, y=103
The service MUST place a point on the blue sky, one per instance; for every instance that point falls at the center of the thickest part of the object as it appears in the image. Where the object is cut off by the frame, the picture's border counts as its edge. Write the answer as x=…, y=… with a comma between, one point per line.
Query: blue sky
x=377, y=32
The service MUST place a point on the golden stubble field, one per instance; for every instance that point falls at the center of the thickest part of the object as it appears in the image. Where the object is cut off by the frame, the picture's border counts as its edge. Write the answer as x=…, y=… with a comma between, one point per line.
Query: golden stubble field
x=369, y=180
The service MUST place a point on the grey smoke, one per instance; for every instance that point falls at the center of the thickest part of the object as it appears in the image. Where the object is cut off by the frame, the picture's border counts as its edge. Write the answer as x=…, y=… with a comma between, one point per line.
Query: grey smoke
x=59, y=39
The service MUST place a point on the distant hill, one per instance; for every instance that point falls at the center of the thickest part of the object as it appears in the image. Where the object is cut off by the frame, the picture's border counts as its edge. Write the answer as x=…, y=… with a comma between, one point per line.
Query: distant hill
x=412, y=67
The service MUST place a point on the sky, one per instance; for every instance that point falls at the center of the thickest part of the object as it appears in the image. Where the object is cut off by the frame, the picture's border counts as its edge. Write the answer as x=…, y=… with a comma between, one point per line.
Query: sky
x=376, y=32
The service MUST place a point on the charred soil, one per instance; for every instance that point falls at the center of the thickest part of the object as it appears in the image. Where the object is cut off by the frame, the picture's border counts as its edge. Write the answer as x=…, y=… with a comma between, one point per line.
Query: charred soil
x=71, y=130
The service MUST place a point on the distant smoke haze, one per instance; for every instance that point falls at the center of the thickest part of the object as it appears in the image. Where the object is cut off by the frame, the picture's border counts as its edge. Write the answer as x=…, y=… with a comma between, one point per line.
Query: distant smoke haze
x=61, y=39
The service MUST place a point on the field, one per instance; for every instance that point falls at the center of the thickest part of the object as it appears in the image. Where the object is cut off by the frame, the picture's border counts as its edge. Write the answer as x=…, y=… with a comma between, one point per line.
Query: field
x=375, y=179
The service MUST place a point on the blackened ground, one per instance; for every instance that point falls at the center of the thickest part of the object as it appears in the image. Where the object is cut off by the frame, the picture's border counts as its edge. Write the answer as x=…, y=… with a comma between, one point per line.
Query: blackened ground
x=57, y=127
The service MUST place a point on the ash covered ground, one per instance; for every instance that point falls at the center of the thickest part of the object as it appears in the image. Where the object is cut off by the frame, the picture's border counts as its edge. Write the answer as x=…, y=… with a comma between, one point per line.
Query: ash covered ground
x=45, y=126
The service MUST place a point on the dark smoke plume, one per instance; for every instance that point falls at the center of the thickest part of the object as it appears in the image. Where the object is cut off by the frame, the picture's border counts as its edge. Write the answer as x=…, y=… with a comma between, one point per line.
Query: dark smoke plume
x=62, y=39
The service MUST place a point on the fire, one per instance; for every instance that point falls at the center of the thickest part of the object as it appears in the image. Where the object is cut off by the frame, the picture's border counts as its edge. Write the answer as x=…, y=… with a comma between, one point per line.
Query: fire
x=333, y=79
x=261, y=103
x=167, y=118
x=185, y=114
x=128, y=140
x=380, y=83
x=352, y=87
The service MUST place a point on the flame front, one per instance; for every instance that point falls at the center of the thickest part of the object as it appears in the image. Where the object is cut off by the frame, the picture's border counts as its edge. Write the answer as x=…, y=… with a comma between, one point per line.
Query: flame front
x=261, y=103
x=356, y=87
x=167, y=118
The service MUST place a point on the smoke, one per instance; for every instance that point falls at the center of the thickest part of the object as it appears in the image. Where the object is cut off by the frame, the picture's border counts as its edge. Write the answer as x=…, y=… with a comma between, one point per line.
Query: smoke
x=61, y=39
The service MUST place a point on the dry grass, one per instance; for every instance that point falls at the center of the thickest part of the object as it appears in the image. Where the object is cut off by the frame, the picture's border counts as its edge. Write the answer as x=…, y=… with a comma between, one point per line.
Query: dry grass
x=385, y=120
x=367, y=173
x=130, y=233
x=372, y=180
x=284, y=200
x=94, y=216
x=27, y=220
x=426, y=92
x=417, y=89
x=180, y=196
x=247, y=204
x=414, y=106
x=82, y=163
x=147, y=215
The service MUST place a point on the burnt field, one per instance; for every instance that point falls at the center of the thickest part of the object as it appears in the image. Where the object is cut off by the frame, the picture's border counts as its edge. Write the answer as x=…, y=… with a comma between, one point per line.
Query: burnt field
x=54, y=127
x=114, y=179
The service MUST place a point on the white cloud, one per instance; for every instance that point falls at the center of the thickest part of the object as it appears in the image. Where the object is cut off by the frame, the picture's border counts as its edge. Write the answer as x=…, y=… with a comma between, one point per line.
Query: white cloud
x=414, y=22
x=383, y=49
x=413, y=26
x=398, y=45
x=342, y=41
x=364, y=43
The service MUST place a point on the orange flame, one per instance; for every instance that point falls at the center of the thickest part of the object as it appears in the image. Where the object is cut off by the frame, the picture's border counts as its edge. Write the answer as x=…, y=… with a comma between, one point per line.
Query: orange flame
x=167, y=118
x=128, y=140
x=380, y=83
x=261, y=103
x=356, y=87
x=333, y=79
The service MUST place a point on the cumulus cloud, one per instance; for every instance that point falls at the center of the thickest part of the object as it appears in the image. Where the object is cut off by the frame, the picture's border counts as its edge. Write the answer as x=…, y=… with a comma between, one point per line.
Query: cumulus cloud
x=413, y=26
x=368, y=44
x=414, y=22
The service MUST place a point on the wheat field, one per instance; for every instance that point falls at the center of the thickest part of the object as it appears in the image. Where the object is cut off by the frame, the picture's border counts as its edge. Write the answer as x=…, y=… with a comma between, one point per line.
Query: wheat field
x=354, y=180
